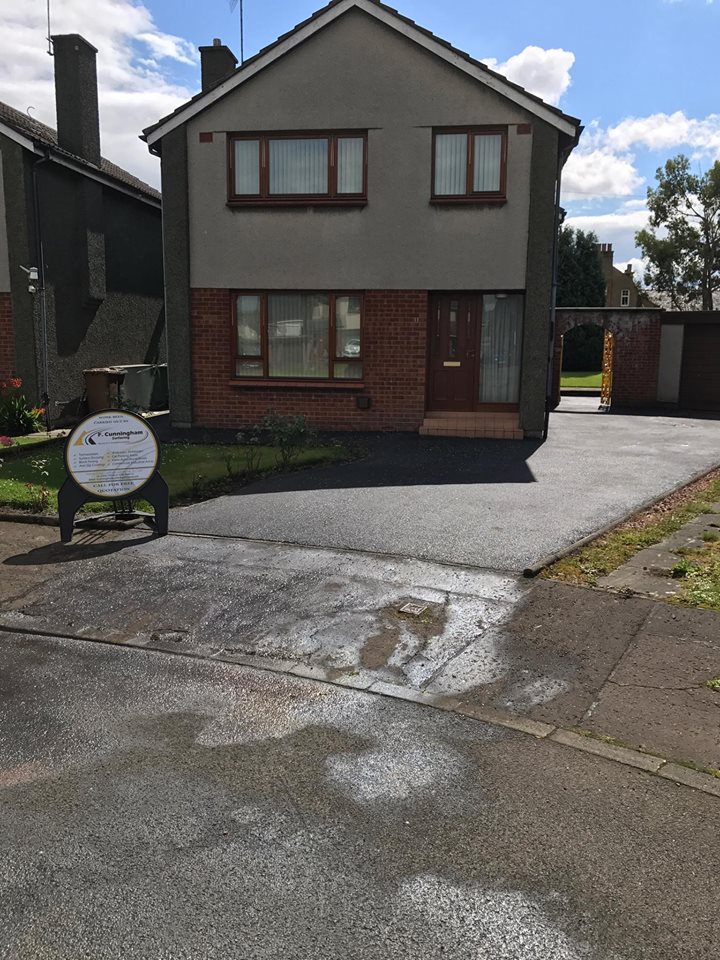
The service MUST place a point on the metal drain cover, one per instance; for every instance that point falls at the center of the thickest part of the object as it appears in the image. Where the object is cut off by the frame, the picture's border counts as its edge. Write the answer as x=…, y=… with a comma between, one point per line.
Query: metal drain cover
x=414, y=608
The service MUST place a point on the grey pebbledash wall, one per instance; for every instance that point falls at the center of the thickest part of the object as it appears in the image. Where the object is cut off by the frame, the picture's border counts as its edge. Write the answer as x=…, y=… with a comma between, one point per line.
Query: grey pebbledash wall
x=103, y=275
x=103, y=263
x=538, y=289
x=176, y=239
x=398, y=92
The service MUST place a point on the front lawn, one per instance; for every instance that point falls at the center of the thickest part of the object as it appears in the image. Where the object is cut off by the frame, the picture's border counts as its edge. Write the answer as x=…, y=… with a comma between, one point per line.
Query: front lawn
x=192, y=471
x=30, y=440
x=580, y=378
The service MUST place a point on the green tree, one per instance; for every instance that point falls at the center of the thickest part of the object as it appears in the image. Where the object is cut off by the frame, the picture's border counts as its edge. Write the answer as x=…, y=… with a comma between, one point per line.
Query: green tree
x=580, y=280
x=581, y=283
x=682, y=242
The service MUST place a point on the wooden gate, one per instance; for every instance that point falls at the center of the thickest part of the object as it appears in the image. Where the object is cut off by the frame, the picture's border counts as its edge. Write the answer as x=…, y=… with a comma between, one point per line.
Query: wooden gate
x=606, y=383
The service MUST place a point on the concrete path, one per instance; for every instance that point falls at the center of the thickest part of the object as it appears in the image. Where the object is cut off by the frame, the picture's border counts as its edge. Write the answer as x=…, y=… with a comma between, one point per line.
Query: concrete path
x=502, y=505
x=155, y=806
x=625, y=667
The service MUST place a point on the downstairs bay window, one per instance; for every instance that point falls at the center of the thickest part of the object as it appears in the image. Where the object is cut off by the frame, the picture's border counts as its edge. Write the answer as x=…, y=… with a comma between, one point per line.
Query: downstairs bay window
x=297, y=336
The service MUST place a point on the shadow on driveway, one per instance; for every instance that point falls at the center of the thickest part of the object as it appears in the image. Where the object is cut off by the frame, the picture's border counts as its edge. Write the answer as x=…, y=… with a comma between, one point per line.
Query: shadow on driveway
x=407, y=460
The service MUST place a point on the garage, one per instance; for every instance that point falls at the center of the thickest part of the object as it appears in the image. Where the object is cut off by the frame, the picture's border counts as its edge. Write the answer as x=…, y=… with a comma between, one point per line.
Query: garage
x=700, y=376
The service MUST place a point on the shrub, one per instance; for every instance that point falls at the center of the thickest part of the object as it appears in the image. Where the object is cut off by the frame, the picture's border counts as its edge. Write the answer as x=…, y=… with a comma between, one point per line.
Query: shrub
x=251, y=440
x=5, y=443
x=291, y=435
x=17, y=417
x=39, y=493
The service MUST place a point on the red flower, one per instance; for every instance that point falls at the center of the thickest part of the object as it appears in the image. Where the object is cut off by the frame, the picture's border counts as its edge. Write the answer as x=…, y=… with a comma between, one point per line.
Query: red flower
x=39, y=411
x=15, y=383
x=6, y=441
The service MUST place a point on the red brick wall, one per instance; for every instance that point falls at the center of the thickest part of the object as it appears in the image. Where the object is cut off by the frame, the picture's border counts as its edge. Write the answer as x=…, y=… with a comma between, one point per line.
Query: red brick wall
x=7, y=337
x=394, y=343
x=636, y=358
x=635, y=366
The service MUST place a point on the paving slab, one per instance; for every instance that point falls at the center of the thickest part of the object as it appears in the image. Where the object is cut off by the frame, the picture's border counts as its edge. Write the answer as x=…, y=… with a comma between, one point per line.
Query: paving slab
x=657, y=697
x=563, y=643
x=156, y=806
x=490, y=503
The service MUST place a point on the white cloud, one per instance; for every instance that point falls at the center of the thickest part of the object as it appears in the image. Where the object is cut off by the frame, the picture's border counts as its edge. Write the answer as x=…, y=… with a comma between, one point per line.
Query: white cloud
x=134, y=89
x=545, y=73
x=164, y=45
x=604, y=163
x=599, y=173
x=638, y=264
x=661, y=131
x=618, y=228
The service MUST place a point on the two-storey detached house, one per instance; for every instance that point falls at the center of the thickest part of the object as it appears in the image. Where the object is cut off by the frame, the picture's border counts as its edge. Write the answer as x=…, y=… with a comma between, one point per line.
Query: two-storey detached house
x=359, y=226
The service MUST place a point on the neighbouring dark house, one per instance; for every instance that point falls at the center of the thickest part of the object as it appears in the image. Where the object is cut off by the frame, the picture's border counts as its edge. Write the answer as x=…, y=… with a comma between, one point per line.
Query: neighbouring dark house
x=360, y=224
x=92, y=232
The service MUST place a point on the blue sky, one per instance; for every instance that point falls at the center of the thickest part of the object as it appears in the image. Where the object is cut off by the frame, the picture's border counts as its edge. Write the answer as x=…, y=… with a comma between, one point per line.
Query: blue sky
x=639, y=73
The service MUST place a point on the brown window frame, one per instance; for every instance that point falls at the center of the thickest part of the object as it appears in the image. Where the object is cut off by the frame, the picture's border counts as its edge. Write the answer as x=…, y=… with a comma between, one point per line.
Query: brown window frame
x=264, y=357
x=470, y=195
x=265, y=198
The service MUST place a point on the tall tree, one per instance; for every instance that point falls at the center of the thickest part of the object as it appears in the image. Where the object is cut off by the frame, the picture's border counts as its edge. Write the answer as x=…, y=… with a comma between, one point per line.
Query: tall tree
x=682, y=242
x=581, y=283
x=580, y=280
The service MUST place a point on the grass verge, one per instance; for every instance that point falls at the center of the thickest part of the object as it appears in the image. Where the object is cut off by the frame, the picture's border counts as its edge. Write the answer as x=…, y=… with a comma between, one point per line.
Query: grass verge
x=599, y=558
x=192, y=471
x=580, y=378
x=700, y=582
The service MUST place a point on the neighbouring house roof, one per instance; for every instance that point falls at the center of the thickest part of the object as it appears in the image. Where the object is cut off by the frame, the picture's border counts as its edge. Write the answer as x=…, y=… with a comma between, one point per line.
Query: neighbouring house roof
x=392, y=18
x=44, y=136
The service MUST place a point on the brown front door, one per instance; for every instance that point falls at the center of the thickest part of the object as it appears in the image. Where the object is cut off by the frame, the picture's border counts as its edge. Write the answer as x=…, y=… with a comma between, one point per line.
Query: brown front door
x=454, y=350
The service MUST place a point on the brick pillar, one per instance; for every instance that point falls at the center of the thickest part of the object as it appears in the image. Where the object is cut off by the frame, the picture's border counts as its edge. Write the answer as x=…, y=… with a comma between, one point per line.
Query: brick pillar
x=636, y=364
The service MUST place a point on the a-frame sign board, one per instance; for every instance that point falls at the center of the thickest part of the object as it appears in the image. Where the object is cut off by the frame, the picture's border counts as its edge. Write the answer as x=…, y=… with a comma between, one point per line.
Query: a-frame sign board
x=113, y=456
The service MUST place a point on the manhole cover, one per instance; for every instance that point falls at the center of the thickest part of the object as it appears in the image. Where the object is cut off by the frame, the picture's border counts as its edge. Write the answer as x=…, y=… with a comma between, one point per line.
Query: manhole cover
x=414, y=609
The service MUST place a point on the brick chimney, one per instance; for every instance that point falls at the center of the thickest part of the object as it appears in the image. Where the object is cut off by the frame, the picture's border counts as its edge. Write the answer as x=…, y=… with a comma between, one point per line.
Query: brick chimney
x=216, y=63
x=76, y=96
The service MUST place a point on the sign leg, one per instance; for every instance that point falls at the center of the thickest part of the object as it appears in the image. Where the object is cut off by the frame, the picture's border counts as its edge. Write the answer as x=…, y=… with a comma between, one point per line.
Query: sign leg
x=158, y=496
x=70, y=499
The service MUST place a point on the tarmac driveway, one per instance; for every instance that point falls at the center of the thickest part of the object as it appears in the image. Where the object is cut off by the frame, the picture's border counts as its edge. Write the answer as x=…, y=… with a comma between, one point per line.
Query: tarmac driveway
x=496, y=504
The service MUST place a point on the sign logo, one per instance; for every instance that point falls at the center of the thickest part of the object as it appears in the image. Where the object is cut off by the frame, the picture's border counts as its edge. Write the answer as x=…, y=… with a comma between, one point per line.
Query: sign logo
x=99, y=437
x=112, y=454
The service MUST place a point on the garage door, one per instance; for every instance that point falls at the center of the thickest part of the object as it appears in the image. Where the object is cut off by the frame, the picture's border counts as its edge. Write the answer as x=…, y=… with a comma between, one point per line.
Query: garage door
x=700, y=379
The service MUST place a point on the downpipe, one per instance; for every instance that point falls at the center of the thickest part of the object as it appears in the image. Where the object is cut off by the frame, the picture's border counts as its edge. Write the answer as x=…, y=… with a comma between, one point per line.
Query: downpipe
x=553, y=302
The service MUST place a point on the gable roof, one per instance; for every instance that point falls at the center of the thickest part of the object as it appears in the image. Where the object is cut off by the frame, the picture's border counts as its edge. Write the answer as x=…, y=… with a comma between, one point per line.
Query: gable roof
x=39, y=133
x=392, y=18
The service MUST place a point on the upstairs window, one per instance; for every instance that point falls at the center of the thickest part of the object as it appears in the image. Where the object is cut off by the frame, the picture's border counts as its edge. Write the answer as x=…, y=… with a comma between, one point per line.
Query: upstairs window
x=469, y=164
x=624, y=298
x=292, y=168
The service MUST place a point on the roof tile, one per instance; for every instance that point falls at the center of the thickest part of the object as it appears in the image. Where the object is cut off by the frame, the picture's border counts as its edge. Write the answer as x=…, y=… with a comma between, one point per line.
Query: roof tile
x=41, y=133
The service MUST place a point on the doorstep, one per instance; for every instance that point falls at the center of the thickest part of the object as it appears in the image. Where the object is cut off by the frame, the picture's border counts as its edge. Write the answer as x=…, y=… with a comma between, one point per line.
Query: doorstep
x=486, y=424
